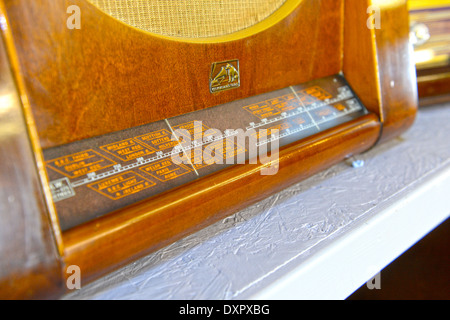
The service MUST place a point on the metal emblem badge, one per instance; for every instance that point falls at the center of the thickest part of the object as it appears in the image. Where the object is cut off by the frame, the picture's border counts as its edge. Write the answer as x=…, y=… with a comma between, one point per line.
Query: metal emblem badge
x=224, y=76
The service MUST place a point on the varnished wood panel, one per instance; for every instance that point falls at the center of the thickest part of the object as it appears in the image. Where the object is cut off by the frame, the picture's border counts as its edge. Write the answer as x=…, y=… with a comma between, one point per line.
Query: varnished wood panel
x=433, y=85
x=30, y=264
x=107, y=76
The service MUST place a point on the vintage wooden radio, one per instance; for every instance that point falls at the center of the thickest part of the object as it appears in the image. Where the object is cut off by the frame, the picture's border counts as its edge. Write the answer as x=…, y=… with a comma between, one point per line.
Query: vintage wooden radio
x=120, y=119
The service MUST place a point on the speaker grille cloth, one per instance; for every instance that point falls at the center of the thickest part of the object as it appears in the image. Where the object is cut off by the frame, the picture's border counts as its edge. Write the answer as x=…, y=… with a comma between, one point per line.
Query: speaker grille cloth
x=190, y=18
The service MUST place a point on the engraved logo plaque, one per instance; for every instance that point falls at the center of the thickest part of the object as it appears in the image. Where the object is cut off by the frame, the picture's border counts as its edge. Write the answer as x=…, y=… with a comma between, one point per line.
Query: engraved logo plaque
x=224, y=76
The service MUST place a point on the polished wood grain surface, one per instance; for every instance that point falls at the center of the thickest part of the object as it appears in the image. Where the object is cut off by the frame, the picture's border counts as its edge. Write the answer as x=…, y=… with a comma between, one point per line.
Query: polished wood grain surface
x=30, y=265
x=360, y=65
x=107, y=76
x=147, y=226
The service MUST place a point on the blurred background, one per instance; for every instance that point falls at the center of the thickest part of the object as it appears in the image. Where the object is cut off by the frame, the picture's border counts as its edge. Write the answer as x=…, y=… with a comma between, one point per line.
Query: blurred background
x=430, y=35
x=423, y=272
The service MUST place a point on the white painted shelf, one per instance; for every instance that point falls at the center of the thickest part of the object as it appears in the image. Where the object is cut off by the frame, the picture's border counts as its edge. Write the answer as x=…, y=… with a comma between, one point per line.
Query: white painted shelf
x=320, y=239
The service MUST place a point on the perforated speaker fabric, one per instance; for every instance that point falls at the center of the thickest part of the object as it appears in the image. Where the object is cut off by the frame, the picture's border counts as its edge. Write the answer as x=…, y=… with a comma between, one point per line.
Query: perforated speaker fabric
x=190, y=18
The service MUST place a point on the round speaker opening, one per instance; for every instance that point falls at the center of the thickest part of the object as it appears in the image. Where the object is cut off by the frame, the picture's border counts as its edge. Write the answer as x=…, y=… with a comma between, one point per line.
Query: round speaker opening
x=193, y=19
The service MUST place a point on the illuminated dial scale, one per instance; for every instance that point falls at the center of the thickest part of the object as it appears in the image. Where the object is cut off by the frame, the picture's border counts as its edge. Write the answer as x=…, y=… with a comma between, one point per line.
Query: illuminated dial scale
x=96, y=176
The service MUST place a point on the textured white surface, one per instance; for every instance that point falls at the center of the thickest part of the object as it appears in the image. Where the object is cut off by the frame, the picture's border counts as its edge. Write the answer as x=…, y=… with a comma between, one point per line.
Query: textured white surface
x=343, y=265
x=253, y=253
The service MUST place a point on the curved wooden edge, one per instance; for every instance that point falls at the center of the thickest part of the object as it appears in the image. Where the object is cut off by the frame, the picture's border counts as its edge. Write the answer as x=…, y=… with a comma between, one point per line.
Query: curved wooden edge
x=277, y=16
x=433, y=86
x=378, y=62
x=398, y=81
x=17, y=77
x=112, y=241
x=107, y=76
x=30, y=263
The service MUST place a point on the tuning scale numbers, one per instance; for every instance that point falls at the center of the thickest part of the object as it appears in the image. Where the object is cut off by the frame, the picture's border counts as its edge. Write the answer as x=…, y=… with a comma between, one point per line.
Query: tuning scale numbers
x=289, y=122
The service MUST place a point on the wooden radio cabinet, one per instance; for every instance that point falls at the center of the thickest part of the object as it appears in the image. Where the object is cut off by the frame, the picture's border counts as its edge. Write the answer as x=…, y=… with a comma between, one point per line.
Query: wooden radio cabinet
x=91, y=106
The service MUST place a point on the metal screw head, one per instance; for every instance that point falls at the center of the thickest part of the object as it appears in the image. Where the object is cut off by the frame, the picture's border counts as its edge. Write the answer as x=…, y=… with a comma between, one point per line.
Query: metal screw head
x=358, y=164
